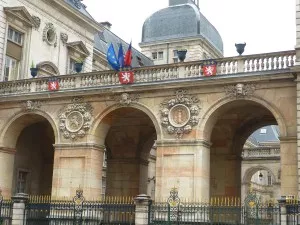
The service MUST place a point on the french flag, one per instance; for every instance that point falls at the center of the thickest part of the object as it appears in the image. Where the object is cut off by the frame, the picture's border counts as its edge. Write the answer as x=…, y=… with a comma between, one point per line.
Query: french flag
x=128, y=56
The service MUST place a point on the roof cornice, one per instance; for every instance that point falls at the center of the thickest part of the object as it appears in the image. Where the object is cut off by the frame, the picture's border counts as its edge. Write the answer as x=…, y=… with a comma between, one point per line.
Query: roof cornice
x=65, y=6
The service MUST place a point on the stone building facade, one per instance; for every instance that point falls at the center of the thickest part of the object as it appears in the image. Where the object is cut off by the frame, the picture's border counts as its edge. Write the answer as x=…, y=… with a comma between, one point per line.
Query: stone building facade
x=52, y=142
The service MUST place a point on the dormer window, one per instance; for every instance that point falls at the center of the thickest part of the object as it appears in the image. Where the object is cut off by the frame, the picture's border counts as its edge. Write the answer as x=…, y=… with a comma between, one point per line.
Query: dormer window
x=15, y=36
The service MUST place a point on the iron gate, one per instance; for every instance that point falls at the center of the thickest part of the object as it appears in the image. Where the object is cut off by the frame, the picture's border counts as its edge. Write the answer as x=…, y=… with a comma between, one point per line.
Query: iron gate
x=5, y=211
x=219, y=211
x=80, y=212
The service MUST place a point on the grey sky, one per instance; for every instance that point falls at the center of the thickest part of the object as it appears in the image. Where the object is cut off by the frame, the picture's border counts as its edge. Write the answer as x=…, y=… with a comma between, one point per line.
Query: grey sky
x=265, y=25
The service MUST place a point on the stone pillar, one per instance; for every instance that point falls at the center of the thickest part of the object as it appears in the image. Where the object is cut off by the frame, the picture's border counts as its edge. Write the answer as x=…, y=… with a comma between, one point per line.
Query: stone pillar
x=141, y=209
x=283, y=215
x=7, y=158
x=289, y=166
x=185, y=165
x=18, y=214
x=77, y=165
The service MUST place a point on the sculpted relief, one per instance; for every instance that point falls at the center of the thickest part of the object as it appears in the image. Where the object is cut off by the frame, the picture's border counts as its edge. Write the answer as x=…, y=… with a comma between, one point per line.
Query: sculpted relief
x=180, y=114
x=75, y=119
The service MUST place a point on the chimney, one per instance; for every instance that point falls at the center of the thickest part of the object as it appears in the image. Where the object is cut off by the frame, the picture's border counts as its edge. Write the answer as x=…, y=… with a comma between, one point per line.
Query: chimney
x=106, y=24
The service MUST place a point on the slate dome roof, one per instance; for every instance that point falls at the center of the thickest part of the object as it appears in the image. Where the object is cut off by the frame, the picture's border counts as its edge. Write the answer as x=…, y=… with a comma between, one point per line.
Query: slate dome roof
x=180, y=21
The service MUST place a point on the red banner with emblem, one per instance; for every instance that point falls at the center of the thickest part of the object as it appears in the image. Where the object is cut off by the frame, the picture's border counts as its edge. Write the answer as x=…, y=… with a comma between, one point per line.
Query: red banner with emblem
x=126, y=77
x=53, y=84
x=209, y=68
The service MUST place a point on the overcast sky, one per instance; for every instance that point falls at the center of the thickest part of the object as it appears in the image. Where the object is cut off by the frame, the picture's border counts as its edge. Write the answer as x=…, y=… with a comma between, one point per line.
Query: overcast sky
x=265, y=25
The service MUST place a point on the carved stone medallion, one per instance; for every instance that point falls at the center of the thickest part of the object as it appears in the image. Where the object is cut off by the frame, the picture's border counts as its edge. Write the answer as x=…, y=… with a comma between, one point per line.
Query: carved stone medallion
x=75, y=119
x=180, y=114
x=240, y=90
x=49, y=34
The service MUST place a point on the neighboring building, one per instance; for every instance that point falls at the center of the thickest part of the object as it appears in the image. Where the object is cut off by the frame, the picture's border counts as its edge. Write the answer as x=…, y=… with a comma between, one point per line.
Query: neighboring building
x=261, y=163
x=180, y=26
x=53, y=35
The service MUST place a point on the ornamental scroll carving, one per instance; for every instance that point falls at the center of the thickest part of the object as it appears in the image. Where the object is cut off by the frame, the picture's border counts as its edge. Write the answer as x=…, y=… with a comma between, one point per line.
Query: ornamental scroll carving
x=31, y=105
x=64, y=38
x=75, y=119
x=126, y=99
x=240, y=90
x=180, y=114
x=37, y=21
x=49, y=34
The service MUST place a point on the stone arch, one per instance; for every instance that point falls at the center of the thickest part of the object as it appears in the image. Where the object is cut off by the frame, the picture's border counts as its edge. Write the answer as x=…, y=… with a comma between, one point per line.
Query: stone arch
x=13, y=128
x=47, y=68
x=100, y=127
x=251, y=171
x=210, y=116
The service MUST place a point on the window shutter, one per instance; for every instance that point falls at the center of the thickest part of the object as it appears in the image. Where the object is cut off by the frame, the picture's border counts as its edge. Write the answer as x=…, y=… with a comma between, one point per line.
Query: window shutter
x=13, y=50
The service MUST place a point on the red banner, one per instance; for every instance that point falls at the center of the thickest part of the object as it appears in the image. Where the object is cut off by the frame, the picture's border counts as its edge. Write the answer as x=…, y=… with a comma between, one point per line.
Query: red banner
x=126, y=77
x=210, y=70
x=53, y=85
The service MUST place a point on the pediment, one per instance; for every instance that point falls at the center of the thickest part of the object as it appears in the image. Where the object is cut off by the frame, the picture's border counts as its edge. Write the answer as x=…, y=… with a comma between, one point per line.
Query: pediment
x=79, y=47
x=21, y=13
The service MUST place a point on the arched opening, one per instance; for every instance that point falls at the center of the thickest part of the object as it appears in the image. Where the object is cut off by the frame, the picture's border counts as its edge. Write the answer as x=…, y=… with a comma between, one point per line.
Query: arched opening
x=261, y=164
x=33, y=139
x=232, y=125
x=129, y=135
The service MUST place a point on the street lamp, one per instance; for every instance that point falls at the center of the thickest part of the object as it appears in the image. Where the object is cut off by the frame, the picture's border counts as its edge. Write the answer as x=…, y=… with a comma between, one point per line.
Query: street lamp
x=260, y=176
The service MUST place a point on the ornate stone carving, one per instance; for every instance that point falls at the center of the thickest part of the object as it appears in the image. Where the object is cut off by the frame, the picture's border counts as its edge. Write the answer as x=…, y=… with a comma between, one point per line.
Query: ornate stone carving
x=126, y=99
x=180, y=114
x=240, y=90
x=37, y=21
x=31, y=105
x=64, y=38
x=75, y=119
x=49, y=34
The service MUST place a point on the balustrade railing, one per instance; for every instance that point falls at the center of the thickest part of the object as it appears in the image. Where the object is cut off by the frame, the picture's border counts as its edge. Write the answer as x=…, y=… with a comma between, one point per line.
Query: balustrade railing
x=261, y=152
x=225, y=66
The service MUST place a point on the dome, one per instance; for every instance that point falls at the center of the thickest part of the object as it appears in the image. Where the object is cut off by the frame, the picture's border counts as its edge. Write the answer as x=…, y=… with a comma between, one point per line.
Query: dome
x=180, y=21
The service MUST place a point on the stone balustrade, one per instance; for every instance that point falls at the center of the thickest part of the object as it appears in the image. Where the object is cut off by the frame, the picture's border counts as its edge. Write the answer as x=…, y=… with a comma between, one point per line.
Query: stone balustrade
x=162, y=73
x=262, y=188
x=261, y=152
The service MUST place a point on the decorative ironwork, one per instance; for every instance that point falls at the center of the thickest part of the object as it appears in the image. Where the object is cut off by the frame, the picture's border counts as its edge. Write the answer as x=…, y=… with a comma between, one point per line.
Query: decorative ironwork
x=174, y=202
x=180, y=114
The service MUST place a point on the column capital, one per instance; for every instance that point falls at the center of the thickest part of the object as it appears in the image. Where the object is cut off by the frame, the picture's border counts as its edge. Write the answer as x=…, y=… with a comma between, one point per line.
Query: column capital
x=142, y=199
x=194, y=142
x=288, y=139
x=73, y=146
x=20, y=198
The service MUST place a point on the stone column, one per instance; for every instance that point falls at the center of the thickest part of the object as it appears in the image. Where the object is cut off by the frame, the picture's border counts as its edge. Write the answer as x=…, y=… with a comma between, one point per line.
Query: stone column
x=77, y=165
x=7, y=158
x=141, y=209
x=18, y=214
x=283, y=215
x=185, y=165
x=289, y=166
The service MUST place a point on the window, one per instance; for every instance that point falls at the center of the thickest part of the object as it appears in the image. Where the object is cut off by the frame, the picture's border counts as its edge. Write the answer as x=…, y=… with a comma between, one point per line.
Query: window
x=269, y=179
x=22, y=181
x=160, y=55
x=175, y=56
x=72, y=66
x=154, y=55
x=263, y=131
x=11, y=69
x=15, y=36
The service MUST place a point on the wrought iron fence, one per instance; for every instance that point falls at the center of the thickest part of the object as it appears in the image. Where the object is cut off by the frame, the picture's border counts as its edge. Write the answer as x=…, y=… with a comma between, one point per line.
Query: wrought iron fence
x=79, y=211
x=293, y=211
x=5, y=211
x=219, y=211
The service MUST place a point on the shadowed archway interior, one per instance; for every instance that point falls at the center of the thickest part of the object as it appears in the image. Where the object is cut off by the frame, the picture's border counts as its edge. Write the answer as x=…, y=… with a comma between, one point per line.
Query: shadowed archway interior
x=33, y=166
x=234, y=124
x=128, y=144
